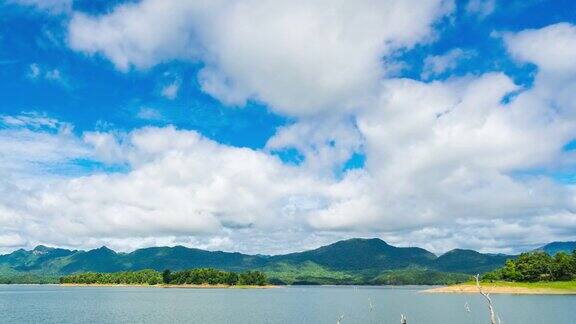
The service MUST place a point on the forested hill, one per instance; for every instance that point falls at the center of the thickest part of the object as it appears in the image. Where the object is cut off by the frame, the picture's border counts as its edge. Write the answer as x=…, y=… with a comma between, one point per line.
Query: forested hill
x=349, y=261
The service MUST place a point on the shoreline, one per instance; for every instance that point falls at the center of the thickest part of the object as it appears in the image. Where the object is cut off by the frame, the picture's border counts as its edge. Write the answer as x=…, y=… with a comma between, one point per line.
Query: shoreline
x=499, y=289
x=167, y=286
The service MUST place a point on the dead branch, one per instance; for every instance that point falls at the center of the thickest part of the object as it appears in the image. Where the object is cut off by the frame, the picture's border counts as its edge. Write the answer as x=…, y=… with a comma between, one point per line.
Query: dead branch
x=488, y=299
x=403, y=319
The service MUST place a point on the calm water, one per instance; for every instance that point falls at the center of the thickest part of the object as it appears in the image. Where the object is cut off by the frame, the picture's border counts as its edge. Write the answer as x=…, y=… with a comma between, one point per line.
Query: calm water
x=54, y=304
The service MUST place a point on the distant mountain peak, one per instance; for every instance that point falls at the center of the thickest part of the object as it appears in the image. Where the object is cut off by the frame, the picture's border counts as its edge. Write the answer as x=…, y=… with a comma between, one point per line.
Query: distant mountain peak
x=554, y=247
x=102, y=250
x=562, y=243
x=41, y=249
x=367, y=241
x=457, y=250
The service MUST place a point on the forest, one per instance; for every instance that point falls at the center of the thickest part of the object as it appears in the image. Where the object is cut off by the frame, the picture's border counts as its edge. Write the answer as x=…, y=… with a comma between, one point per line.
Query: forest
x=200, y=276
x=536, y=266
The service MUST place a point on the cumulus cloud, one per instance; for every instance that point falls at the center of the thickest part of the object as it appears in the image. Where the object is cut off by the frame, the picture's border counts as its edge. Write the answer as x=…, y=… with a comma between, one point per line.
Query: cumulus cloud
x=300, y=57
x=551, y=48
x=457, y=162
x=179, y=184
x=33, y=143
x=440, y=163
x=452, y=150
x=325, y=144
x=447, y=150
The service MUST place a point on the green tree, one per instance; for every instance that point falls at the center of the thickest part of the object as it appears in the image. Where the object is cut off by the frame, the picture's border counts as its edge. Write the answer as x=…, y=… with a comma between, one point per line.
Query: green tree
x=535, y=266
x=510, y=272
x=252, y=278
x=562, y=267
x=167, y=276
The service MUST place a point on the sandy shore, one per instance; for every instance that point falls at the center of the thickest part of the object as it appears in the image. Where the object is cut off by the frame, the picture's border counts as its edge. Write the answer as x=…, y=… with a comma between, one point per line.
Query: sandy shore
x=472, y=289
x=170, y=286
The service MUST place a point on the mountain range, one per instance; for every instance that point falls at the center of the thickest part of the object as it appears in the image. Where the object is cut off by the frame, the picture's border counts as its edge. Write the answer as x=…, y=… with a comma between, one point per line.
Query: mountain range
x=353, y=261
x=555, y=247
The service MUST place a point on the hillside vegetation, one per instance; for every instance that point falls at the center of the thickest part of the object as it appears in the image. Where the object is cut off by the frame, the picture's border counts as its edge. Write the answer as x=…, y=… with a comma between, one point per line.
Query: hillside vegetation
x=203, y=276
x=536, y=266
x=354, y=261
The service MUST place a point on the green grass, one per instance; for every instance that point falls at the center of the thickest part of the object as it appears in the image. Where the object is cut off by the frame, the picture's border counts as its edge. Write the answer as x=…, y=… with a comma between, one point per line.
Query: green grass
x=557, y=285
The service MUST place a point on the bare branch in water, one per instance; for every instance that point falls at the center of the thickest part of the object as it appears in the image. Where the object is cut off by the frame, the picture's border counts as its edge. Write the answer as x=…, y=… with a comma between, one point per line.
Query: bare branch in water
x=403, y=319
x=488, y=299
x=466, y=303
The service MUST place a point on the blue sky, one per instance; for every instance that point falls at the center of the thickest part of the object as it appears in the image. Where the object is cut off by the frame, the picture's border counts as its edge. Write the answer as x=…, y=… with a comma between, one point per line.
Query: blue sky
x=108, y=95
x=111, y=96
x=354, y=125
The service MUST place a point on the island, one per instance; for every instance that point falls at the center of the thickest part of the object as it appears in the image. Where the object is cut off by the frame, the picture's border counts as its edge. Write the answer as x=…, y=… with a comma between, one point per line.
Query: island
x=531, y=273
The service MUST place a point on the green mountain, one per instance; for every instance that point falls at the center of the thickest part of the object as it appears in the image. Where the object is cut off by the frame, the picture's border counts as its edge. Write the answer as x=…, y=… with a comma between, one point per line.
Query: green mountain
x=469, y=261
x=98, y=260
x=361, y=254
x=40, y=260
x=354, y=261
x=555, y=247
x=180, y=257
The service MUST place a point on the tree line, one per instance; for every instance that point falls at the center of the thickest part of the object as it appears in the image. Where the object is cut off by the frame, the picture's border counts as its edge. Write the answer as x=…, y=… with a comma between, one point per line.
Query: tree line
x=214, y=277
x=202, y=276
x=536, y=266
x=7, y=279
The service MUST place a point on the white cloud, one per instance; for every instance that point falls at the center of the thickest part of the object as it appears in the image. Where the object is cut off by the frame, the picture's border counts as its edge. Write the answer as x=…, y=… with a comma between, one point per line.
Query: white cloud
x=148, y=113
x=326, y=144
x=34, y=72
x=53, y=6
x=33, y=143
x=482, y=8
x=552, y=48
x=53, y=75
x=300, y=57
x=438, y=173
x=179, y=185
x=435, y=65
x=37, y=72
x=11, y=240
x=32, y=120
x=442, y=158
x=442, y=151
x=170, y=91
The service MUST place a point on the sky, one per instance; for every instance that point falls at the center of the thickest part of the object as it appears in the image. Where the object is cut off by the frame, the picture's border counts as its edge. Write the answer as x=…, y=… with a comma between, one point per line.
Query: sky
x=266, y=126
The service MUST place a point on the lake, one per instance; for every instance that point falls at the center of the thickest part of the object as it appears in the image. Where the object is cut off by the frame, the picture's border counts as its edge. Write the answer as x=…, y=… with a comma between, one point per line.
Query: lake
x=300, y=304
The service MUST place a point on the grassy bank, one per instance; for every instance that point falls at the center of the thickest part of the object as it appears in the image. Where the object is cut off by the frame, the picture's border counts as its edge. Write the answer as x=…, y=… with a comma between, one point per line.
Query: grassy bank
x=563, y=285
x=504, y=287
